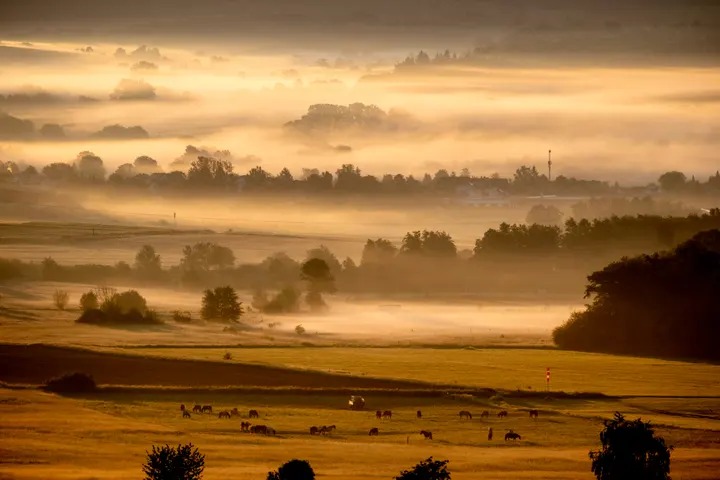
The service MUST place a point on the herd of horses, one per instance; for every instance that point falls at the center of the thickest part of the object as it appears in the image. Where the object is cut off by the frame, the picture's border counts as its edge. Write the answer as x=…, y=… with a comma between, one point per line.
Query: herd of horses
x=328, y=429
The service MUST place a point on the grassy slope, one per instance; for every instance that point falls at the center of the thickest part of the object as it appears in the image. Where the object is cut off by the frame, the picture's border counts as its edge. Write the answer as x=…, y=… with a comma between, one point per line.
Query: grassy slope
x=495, y=368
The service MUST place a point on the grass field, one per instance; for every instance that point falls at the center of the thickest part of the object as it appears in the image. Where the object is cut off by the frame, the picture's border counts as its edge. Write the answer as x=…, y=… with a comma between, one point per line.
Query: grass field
x=502, y=368
x=103, y=437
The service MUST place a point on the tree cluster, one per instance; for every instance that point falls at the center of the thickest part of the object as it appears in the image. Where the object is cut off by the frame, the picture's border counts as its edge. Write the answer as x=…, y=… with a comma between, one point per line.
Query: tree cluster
x=663, y=305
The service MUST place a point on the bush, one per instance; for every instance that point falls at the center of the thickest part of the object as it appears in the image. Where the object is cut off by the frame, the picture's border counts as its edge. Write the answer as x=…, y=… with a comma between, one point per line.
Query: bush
x=286, y=301
x=300, y=330
x=71, y=383
x=171, y=463
x=89, y=301
x=182, y=317
x=293, y=470
x=427, y=470
x=61, y=299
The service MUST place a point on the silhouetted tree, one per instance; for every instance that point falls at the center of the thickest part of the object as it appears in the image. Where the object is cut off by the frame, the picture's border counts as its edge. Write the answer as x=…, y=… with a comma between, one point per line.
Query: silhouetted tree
x=429, y=243
x=147, y=262
x=630, y=450
x=60, y=172
x=672, y=181
x=378, y=251
x=221, y=303
x=322, y=252
x=89, y=166
x=293, y=470
x=320, y=280
x=209, y=172
x=183, y=462
x=426, y=470
x=207, y=256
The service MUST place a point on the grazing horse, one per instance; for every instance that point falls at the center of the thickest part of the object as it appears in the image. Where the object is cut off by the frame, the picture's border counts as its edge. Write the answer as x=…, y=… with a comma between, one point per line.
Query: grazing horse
x=485, y=414
x=207, y=409
x=235, y=412
x=512, y=436
x=224, y=414
x=533, y=413
x=502, y=413
x=253, y=414
x=327, y=430
x=419, y=414
x=387, y=414
x=197, y=409
x=245, y=426
x=465, y=414
x=182, y=407
x=374, y=432
x=186, y=414
x=259, y=429
x=490, y=434
x=314, y=430
x=378, y=414
x=427, y=434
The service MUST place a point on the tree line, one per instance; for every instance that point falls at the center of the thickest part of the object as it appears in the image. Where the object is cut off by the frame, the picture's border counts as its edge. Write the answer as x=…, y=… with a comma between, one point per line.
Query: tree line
x=199, y=169
x=507, y=260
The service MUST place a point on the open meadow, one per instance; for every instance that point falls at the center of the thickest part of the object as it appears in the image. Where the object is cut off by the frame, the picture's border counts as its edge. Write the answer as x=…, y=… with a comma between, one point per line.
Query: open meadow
x=103, y=435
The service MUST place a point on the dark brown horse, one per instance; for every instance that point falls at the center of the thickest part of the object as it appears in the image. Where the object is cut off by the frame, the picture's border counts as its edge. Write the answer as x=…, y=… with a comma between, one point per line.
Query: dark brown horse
x=387, y=414
x=512, y=436
x=224, y=414
x=533, y=414
x=235, y=412
x=197, y=409
x=253, y=414
x=465, y=414
x=314, y=430
x=485, y=414
x=419, y=414
x=207, y=409
x=259, y=429
x=186, y=414
x=427, y=434
x=378, y=414
x=245, y=426
x=374, y=432
x=182, y=407
x=502, y=413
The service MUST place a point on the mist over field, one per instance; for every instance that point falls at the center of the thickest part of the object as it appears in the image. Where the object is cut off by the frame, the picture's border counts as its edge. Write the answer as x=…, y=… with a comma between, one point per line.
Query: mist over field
x=359, y=234
x=619, y=110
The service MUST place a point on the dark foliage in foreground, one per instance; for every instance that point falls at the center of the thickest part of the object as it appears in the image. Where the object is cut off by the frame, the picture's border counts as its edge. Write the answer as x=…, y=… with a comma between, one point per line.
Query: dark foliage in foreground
x=293, y=470
x=174, y=463
x=630, y=450
x=662, y=305
x=427, y=470
x=71, y=383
